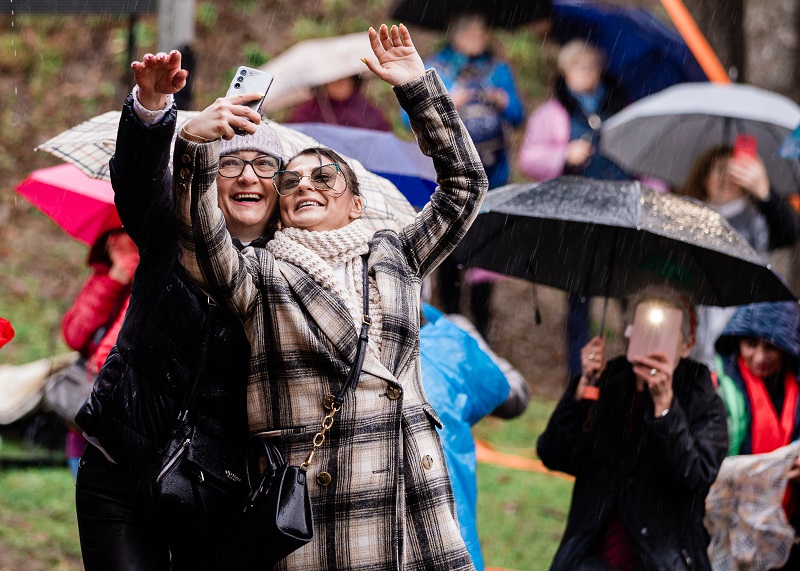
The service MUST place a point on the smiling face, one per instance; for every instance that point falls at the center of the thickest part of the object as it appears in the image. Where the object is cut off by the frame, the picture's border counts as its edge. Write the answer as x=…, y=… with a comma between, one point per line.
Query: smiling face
x=247, y=201
x=762, y=358
x=309, y=208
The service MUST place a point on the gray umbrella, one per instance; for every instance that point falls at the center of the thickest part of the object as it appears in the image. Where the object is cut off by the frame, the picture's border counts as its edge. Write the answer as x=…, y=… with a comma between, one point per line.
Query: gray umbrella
x=663, y=134
x=611, y=238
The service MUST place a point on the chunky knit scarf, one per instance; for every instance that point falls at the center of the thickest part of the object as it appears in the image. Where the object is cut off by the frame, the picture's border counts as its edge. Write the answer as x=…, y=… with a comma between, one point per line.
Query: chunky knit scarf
x=317, y=253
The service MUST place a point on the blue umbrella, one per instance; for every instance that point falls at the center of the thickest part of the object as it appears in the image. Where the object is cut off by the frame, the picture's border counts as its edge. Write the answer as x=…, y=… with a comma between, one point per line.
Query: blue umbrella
x=790, y=147
x=380, y=152
x=644, y=55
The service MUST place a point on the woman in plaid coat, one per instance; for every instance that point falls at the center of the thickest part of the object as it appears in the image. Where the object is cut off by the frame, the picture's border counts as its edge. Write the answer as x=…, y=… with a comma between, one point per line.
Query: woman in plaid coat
x=379, y=485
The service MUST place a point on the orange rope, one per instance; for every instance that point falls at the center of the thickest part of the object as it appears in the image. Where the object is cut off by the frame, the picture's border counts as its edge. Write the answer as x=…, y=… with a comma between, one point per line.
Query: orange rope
x=696, y=41
x=488, y=455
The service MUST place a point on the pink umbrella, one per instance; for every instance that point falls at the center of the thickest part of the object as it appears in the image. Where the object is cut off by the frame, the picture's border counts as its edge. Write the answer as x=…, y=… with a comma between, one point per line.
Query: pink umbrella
x=82, y=206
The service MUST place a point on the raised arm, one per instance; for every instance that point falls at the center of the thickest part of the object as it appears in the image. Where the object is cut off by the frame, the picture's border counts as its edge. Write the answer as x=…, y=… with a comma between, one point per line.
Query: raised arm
x=440, y=135
x=140, y=165
x=207, y=253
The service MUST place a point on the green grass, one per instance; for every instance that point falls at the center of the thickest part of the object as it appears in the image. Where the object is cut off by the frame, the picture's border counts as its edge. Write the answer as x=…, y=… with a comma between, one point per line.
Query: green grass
x=521, y=515
x=37, y=518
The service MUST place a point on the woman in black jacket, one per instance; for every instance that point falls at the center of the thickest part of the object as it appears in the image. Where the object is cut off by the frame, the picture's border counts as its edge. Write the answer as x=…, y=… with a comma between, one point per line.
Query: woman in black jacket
x=644, y=456
x=140, y=390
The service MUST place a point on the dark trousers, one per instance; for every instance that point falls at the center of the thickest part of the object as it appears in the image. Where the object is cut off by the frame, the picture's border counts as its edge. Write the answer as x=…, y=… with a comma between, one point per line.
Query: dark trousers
x=118, y=530
x=449, y=285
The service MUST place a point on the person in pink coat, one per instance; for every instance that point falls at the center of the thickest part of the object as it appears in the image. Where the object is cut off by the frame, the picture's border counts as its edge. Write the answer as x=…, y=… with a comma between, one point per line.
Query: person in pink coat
x=561, y=138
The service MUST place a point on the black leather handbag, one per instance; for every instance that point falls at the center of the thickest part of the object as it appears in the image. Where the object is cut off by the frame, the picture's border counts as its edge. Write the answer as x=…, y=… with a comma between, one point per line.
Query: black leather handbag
x=198, y=473
x=278, y=513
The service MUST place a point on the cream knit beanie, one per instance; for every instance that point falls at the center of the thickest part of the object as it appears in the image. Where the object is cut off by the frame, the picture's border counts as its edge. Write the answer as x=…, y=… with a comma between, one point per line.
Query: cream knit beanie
x=264, y=140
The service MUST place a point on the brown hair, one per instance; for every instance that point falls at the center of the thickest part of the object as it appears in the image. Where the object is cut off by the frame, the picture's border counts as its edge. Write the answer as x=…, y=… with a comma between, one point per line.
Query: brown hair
x=350, y=178
x=695, y=184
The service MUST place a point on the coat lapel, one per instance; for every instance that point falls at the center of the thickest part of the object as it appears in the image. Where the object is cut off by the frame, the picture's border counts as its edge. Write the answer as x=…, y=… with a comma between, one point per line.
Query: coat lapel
x=399, y=292
x=328, y=311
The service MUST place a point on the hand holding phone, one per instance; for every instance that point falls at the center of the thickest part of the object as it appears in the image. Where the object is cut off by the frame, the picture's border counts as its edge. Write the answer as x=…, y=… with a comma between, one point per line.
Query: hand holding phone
x=250, y=80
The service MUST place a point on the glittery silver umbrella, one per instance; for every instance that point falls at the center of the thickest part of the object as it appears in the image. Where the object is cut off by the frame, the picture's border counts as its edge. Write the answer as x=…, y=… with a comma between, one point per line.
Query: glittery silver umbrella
x=602, y=238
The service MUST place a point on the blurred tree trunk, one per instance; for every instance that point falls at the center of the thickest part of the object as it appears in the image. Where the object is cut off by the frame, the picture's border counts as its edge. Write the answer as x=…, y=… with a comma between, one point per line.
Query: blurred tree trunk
x=722, y=22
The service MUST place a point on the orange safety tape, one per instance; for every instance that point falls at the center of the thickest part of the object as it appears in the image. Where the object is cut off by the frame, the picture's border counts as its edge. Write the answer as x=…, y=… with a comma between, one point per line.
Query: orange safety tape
x=488, y=455
x=702, y=50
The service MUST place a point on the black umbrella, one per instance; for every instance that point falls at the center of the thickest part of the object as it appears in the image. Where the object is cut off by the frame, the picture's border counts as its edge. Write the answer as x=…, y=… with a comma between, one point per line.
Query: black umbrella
x=436, y=14
x=611, y=238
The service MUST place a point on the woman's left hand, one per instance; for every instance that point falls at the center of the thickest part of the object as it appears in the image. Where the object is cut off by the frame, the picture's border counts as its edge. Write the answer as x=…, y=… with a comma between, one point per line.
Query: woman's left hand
x=655, y=371
x=397, y=59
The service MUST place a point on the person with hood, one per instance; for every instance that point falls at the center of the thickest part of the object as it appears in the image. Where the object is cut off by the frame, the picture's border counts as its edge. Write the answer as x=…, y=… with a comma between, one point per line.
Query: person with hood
x=756, y=369
x=644, y=454
x=170, y=330
x=465, y=381
x=562, y=137
x=378, y=482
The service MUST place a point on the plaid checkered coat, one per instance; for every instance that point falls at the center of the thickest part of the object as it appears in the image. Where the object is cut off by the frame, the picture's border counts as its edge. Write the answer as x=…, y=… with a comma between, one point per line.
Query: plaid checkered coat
x=388, y=504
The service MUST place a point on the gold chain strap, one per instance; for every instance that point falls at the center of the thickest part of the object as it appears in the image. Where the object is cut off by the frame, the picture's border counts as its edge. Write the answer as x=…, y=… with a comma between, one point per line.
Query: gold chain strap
x=319, y=437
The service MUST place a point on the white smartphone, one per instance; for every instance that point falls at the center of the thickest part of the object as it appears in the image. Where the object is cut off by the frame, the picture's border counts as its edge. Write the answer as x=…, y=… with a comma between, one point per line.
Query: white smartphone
x=656, y=327
x=249, y=80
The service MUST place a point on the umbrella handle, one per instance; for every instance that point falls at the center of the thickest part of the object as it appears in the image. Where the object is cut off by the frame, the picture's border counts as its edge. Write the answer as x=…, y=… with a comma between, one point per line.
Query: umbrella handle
x=591, y=392
x=588, y=423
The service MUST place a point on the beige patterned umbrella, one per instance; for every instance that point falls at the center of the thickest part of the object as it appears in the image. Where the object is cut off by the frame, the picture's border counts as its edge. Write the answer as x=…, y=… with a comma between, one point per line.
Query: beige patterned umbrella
x=89, y=146
x=744, y=512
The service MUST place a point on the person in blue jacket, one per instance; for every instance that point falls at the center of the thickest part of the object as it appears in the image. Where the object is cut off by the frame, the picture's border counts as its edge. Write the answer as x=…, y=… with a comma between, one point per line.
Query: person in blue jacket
x=483, y=91
x=464, y=381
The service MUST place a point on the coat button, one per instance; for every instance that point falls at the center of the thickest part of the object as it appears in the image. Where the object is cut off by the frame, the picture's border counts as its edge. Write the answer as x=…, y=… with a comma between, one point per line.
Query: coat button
x=328, y=401
x=393, y=392
x=324, y=478
x=185, y=173
x=644, y=531
x=187, y=160
x=427, y=461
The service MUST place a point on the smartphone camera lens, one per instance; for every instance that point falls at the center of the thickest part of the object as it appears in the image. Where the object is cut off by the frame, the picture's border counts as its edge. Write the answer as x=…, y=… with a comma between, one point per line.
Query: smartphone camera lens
x=237, y=85
x=243, y=72
x=240, y=78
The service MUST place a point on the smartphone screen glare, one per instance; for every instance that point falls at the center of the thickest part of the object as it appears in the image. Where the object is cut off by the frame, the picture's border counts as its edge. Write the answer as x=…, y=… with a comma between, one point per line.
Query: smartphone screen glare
x=656, y=329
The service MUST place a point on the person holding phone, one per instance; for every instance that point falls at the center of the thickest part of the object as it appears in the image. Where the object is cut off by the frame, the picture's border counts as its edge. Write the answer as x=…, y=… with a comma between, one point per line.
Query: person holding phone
x=734, y=182
x=378, y=483
x=141, y=387
x=644, y=454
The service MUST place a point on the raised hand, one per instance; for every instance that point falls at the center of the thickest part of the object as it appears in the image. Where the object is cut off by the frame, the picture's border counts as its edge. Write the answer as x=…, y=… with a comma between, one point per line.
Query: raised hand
x=397, y=61
x=593, y=363
x=751, y=174
x=219, y=119
x=158, y=76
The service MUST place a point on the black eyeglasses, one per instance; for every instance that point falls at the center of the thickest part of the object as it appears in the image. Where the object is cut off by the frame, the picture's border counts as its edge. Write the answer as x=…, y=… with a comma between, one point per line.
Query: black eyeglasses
x=263, y=165
x=322, y=178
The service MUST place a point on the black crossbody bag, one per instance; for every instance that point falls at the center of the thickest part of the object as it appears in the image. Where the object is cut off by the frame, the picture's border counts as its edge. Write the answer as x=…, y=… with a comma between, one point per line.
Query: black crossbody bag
x=198, y=473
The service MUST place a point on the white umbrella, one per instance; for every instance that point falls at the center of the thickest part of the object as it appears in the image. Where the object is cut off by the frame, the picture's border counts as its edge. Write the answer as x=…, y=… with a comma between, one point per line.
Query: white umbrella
x=315, y=62
x=90, y=145
x=663, y=134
